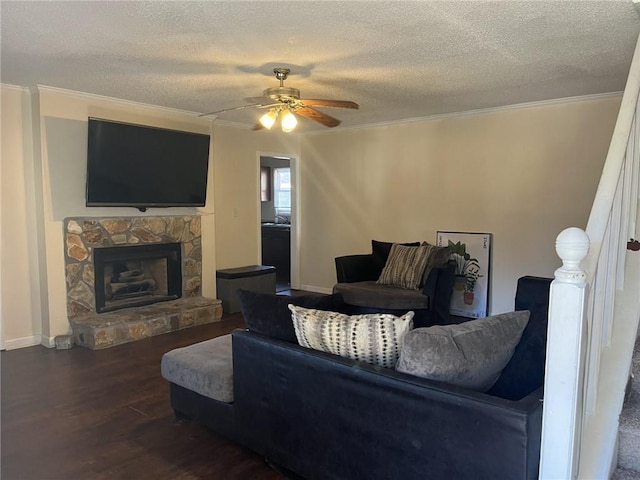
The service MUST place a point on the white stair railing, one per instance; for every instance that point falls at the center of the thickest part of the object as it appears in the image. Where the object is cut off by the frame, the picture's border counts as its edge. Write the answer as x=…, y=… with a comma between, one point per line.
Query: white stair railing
x=582, y=310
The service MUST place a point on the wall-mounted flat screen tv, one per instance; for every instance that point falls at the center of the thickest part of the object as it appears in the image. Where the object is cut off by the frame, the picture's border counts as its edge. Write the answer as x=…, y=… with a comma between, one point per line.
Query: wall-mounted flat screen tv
x=141, y=166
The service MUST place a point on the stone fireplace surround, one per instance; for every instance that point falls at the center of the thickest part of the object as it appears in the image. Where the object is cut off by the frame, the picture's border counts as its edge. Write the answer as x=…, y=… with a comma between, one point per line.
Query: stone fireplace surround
x=136, y=275
x=97, y=331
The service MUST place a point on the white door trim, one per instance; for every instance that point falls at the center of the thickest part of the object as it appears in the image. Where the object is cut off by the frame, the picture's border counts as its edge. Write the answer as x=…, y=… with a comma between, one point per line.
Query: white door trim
x=294, y=164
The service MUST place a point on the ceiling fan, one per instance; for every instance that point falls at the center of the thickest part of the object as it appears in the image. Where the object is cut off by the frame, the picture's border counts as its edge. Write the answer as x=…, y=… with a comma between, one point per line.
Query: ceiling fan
x=283, y=102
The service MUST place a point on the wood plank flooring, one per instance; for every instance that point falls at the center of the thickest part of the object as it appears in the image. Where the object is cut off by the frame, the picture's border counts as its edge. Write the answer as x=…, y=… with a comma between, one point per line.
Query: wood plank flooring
x=84, y=414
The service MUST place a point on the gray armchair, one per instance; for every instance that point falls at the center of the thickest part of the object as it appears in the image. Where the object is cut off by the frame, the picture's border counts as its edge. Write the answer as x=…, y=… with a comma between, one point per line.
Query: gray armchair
x=357, y=275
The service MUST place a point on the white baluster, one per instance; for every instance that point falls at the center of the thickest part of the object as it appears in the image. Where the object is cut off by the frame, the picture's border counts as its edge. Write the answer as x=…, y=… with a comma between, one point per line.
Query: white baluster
x=566, y=348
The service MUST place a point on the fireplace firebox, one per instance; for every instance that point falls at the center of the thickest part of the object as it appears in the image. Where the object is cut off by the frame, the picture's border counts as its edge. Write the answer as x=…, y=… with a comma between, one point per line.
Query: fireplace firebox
x=135, y=275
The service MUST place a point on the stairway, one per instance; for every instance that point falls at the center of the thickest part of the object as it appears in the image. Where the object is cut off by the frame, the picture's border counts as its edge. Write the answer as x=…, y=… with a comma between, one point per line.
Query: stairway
x=629, y=431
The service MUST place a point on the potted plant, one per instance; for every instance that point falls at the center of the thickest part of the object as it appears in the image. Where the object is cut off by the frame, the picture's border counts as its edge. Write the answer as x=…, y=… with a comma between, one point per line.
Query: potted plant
x=458, y=253
x=472, y=273
x=465, y=266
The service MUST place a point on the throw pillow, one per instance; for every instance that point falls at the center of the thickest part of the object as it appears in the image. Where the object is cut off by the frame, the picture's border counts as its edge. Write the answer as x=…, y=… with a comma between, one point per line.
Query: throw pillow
x=380, y=252
x=436, y=257
x=267, y=314
x=374, y=338
x=405, y=266
x=470, y=354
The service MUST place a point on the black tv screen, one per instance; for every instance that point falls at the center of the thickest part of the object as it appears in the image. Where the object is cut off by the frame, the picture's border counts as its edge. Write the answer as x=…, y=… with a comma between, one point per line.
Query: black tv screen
x=141, y=166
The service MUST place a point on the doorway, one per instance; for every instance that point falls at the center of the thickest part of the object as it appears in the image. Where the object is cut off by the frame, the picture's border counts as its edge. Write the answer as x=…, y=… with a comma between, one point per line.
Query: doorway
x=278, y=218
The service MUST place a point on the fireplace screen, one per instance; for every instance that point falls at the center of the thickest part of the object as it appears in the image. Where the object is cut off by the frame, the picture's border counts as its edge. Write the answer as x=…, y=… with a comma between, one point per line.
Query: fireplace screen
x=129, y=276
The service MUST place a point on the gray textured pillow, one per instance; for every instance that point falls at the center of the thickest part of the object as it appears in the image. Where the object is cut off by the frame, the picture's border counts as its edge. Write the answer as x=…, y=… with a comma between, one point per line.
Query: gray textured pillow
x=471, y=354
x=374, y=338
x=437, y=257
x=405, y=266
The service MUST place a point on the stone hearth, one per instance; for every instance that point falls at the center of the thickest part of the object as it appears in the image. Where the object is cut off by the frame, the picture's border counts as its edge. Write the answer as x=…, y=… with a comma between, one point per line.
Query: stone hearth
x=102, y=330
x=128, y=325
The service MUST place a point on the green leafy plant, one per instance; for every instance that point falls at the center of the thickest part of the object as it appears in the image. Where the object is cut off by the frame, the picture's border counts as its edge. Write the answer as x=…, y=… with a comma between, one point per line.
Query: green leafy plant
x=461, y=257
x=471, y=273
x=467, y=268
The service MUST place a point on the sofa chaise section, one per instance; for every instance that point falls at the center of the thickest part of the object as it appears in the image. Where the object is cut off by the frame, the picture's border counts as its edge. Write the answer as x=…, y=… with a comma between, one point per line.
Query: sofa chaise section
x=201, y=383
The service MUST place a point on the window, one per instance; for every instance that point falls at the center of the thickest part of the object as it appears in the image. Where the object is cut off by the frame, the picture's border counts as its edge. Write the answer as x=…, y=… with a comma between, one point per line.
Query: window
x=282, y=191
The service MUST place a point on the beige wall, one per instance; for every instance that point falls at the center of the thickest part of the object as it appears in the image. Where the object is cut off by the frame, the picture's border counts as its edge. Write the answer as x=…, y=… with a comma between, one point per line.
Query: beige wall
x=237, y=190
x=57, y=171
x=20, y=312
x=522, y=174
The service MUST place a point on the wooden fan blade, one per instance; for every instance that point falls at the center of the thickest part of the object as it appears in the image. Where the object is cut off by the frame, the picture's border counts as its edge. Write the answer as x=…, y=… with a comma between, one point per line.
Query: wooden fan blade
x=318, y=116
x=329, y=103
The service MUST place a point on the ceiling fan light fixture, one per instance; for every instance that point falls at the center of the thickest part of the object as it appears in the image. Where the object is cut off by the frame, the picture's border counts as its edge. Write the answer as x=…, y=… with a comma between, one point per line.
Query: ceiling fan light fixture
x=284, y=101
x=268, y=119
x=288, y=122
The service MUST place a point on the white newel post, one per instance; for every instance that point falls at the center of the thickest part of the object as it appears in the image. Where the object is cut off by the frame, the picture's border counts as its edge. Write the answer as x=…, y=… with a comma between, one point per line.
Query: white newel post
x=565, y=365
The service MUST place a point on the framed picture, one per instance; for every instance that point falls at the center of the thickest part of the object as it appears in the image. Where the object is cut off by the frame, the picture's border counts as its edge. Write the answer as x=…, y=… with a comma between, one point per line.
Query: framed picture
x=472, y=254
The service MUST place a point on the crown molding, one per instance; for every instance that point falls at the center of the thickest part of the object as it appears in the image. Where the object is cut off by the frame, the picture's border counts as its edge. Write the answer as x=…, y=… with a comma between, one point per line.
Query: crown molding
x=10, y=86
x=225, y=123
x=113, y=100
x=482, y=111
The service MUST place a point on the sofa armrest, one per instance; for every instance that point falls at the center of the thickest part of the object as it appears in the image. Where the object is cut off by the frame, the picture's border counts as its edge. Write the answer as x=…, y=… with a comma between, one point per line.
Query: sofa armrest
x=356, y=268
x=439, y=288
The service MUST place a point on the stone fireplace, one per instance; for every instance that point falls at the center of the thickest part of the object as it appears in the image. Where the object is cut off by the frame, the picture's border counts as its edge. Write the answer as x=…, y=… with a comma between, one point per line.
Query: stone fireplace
x=132, y=277
x=135, y=275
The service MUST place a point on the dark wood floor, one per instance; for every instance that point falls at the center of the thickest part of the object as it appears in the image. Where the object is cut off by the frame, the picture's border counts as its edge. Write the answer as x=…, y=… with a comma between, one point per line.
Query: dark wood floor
x=82, y=414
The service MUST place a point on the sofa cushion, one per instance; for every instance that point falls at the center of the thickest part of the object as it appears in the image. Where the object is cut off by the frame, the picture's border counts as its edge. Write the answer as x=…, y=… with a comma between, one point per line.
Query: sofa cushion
x=470, y=354
x=372, y=338
x=405, y=266
x=371, y=294
x=525, y=371
x=205, y=367
x=267, y=313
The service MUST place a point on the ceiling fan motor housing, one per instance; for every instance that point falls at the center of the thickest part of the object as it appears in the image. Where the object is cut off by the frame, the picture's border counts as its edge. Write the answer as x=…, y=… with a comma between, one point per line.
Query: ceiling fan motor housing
x=282, y=94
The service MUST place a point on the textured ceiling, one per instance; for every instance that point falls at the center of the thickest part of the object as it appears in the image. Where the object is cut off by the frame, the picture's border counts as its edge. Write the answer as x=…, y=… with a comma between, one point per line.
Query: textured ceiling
x=397, y=59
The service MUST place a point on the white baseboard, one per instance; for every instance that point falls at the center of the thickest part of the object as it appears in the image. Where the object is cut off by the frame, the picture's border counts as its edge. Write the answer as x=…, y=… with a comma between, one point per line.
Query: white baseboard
x=49, y=342
x=311, y=288
x=22, y=342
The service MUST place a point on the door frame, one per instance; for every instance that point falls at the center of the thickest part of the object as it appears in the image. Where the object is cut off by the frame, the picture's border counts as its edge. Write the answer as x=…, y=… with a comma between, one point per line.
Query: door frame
x=294, y=165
